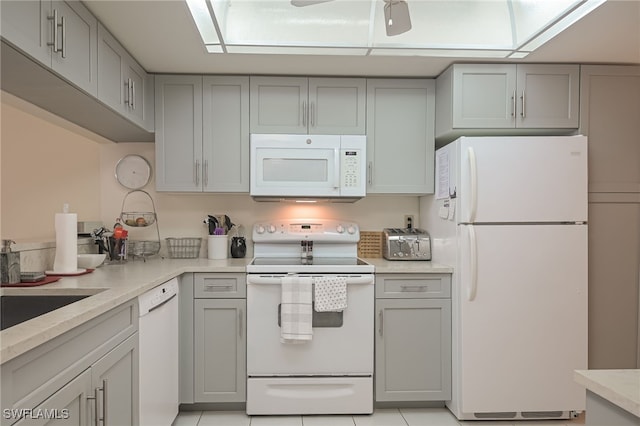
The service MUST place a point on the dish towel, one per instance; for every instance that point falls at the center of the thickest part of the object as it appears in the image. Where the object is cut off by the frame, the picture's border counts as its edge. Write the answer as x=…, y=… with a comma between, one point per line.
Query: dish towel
x=296, y=312
x=330, y=294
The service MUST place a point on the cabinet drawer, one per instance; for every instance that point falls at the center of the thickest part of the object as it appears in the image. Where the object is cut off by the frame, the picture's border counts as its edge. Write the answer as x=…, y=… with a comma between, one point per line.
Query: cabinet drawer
x=216, y=285
x=421, y=286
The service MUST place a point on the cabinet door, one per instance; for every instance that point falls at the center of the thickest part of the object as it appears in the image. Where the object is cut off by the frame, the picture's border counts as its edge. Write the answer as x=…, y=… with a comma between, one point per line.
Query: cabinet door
x=220, y=350
x=400, y=136
x=135, y=95
x=25, y=25
x=337, y=106
x=115, y=376
x=484, y=96
x=111, y=66
x=226, y=134
x=614, y=281
x=610, y=111
x=279, y=104
x=68, y=406
x=548, y=96
x=413, y=350
x=78, y=62
x=178, y=110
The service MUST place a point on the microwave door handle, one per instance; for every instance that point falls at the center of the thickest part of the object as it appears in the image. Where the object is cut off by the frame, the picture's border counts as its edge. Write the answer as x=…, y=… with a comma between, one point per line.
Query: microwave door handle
x=336, y=168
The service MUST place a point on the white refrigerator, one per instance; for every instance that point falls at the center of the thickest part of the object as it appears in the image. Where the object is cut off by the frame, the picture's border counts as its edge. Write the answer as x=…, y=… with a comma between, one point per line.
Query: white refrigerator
x=509, y=215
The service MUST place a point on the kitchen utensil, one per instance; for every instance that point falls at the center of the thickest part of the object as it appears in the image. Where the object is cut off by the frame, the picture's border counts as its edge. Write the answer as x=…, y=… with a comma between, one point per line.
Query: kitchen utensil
x=9, y=263
x=212, y=222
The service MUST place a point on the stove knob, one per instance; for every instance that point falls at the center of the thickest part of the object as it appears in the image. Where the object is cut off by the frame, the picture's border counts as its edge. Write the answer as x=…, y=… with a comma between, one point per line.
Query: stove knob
x=260, y=229
x=340, y=229
x=271, y=229
x=351, y=230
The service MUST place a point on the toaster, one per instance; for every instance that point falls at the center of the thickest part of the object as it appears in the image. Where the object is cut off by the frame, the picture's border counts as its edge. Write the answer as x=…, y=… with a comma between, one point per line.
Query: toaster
x=406, y=244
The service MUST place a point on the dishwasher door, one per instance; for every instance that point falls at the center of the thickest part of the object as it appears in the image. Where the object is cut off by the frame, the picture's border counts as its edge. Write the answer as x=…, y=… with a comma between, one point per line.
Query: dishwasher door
x=158, y=336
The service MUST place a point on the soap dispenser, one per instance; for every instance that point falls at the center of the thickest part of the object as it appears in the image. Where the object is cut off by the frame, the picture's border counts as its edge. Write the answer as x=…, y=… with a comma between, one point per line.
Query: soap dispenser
x=9, y=263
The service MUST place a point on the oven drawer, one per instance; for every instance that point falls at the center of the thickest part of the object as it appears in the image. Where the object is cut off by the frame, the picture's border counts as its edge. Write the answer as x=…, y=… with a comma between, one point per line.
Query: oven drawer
x=419, y=286
x=219, y=285
x=301, y=395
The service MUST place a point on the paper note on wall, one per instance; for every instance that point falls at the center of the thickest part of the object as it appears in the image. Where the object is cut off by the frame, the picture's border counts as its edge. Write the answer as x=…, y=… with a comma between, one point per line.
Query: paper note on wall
x=442, y=175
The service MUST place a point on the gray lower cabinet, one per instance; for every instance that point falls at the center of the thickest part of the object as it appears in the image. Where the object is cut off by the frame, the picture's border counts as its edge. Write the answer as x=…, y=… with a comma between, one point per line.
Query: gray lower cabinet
x=219, y=338
x=87, y=373
x=413, y=338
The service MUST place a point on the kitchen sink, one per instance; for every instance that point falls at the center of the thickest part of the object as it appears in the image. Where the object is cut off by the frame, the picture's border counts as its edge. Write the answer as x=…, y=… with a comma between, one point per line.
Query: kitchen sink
x=15, y=309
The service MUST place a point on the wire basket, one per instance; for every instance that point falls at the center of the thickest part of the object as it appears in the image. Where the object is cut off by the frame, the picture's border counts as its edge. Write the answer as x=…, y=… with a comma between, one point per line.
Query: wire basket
x=370, y=244
x=143, y=248
x=184, y=248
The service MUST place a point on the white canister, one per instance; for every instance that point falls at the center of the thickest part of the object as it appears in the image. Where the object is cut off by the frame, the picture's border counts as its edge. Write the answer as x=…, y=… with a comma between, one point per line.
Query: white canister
x=218, y=246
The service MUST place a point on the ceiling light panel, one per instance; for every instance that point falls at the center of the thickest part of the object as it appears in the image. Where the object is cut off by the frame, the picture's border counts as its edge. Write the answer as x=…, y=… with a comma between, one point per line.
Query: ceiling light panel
x=279, y=23
x=462, y=28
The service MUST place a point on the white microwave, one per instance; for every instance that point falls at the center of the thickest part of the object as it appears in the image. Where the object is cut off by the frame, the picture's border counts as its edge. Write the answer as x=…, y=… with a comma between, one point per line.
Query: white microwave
x=308, y=167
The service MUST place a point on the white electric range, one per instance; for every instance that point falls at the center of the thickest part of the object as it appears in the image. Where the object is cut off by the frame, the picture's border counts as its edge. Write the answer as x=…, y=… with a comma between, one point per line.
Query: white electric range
x=332, y=371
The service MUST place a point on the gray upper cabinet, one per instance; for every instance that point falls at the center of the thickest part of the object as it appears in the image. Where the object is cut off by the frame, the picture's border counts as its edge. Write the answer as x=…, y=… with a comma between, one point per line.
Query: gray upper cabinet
x=308, y=105
x=122, y=83
x=400, y=141
x=225, y=149
x=202, y=133
x=62, y=35
x=475, y=99
x=178, y=109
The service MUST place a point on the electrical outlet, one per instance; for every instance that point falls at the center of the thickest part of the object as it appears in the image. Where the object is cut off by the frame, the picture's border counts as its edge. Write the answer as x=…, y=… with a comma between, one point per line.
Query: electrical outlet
x=408, y=221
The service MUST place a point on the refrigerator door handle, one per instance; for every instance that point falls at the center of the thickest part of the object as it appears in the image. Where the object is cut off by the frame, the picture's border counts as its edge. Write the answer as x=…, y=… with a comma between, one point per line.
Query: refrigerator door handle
x=473, y=265
x=473, y=179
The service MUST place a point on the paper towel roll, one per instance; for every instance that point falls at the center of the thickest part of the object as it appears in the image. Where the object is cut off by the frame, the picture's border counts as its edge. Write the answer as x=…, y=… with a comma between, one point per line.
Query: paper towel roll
x=66, y=260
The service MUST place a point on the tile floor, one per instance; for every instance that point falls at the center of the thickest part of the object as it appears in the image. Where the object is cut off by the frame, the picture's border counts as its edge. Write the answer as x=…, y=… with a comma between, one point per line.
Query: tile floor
x=381, y=417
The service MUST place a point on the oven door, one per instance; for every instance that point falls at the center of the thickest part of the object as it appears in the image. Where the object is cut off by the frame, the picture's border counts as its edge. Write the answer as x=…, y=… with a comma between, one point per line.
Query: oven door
x=342, y=343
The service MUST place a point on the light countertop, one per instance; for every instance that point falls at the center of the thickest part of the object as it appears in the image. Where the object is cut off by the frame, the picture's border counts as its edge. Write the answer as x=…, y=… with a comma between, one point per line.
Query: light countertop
x=620, y=387
x=114, y=284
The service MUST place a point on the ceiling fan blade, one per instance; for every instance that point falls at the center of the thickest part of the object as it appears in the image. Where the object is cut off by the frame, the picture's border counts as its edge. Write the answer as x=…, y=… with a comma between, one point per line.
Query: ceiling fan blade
x=301, y=3
x=396, y=17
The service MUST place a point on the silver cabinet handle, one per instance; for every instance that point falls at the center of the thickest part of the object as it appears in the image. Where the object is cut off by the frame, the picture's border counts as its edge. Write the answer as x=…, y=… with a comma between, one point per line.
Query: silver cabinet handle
x=304, y=113
x=64, y=36
x=381, y=318
x=417, y=288
x=370, y=172
x=522, y=113
x=205, y=172
x=133, y=94
x=312, y=114
x=197, y=172
x=513, y=104
x=214, y=287
x=240, y=325
x=96, y=412
x=54, y=30
x=127, y=99
x=104, y=402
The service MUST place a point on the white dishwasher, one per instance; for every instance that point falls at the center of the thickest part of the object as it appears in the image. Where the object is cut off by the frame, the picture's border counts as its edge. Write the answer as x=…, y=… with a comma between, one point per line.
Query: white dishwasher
x=158, y=337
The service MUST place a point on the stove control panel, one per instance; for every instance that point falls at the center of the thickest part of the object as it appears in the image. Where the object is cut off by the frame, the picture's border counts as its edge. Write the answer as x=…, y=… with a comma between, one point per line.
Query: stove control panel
x=321, y=230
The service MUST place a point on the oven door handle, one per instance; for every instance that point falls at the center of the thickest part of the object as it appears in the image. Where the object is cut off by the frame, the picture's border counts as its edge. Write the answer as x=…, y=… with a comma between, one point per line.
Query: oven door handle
x=274, y=279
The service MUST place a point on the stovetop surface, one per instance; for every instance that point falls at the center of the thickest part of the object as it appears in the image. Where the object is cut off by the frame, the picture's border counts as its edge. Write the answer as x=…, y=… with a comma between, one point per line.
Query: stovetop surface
x=316, y=264
x=324, y=261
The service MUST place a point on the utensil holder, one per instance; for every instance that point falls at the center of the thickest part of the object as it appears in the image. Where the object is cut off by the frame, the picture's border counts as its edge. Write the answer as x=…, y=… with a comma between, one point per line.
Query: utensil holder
x=217, y=246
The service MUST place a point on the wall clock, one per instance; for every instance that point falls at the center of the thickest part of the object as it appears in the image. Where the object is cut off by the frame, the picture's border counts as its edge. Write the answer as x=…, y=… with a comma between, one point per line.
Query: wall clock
x=133, y=171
